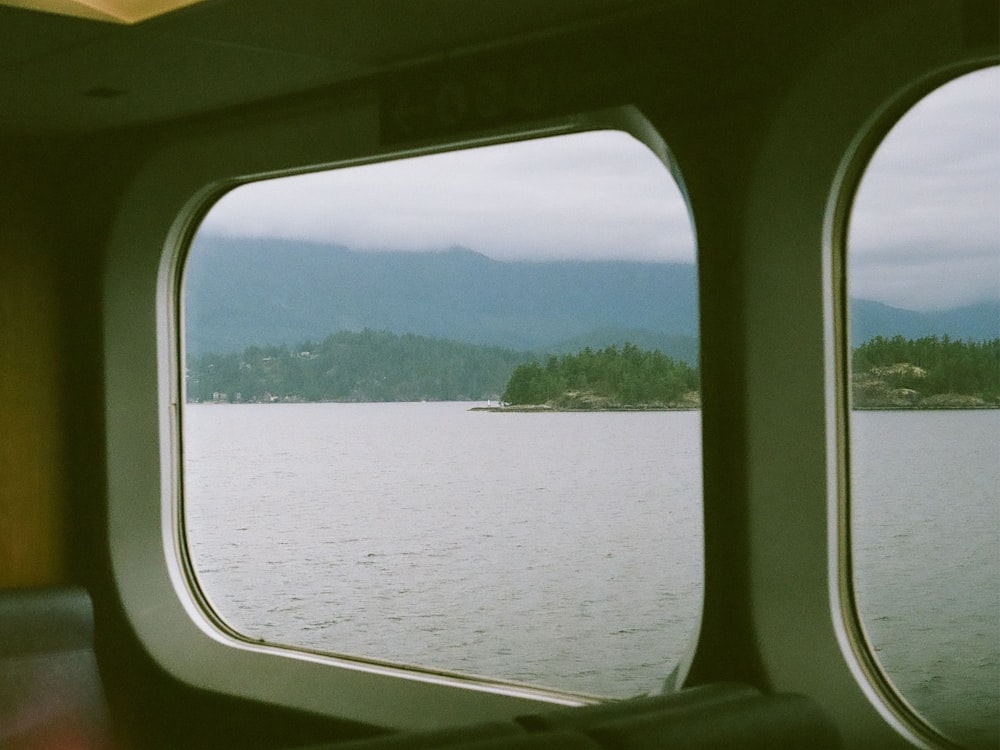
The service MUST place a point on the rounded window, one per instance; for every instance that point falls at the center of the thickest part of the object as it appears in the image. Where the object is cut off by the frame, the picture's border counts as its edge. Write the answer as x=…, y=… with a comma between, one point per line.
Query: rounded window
x=442, y=412
x=923, y=275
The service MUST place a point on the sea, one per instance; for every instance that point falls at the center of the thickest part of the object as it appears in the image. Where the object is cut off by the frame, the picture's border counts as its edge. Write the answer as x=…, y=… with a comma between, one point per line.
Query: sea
x=564, y=549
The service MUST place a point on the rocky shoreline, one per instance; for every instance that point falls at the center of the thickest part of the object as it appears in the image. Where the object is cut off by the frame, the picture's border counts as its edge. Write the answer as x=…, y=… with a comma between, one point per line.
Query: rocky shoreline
x=547, y=408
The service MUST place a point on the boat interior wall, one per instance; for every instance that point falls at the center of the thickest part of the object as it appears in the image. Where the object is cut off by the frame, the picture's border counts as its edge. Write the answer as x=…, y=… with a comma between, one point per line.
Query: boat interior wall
x=53, y=486
x=109, y=132
x=34, y=514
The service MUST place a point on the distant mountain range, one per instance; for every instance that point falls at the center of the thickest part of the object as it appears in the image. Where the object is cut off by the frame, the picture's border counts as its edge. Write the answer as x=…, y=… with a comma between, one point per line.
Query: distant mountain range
x=242, y=292
x=979, y=322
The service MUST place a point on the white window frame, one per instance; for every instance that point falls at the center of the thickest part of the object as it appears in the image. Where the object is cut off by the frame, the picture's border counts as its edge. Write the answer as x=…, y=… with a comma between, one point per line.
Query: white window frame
x=157, y=218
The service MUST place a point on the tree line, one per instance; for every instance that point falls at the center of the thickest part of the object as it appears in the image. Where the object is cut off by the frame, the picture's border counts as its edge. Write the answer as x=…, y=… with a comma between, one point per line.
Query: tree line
x=926, y=372
x=354, y=366
x=607, y=378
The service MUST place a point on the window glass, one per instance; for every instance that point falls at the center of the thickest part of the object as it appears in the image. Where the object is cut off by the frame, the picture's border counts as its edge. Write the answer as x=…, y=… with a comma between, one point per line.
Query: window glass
x=442, y=412
x=924, y=276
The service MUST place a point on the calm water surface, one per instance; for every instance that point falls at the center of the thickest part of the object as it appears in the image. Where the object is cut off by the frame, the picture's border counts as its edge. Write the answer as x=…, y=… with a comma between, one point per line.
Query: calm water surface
x=565, y=549
x=926, y=530
x=556, y=549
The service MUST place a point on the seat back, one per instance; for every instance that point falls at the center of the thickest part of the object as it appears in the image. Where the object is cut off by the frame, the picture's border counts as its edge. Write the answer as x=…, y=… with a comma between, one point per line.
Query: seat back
x=785, y=720
x=50, y=687
x=684, y=703
x=720, y=716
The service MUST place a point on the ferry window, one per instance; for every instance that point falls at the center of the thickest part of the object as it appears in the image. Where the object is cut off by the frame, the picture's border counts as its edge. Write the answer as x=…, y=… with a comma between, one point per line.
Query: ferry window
x=924, y=283
x=442, y=412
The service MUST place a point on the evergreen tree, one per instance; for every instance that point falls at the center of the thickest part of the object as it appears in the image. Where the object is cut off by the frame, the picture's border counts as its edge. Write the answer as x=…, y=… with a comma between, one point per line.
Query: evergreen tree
x=608, y=378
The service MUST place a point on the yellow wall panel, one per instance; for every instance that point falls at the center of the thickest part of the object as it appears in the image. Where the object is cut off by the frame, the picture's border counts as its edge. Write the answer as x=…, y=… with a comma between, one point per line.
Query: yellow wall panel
x=33, y=545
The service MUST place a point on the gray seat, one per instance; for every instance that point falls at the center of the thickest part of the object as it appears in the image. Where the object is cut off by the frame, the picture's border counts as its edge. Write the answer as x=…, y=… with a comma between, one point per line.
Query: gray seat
x=447, y=737
x=709, y=717
x=763, y=722
x=681, y=703
x=51, y=697
x=487, y=736
x=50, y=687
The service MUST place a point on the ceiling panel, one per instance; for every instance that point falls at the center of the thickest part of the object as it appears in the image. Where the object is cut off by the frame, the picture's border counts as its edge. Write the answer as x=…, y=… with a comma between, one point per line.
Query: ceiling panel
x=380, y=30
x=116, y=11
x=62, y=75
x=28, y=35
x=149, y=78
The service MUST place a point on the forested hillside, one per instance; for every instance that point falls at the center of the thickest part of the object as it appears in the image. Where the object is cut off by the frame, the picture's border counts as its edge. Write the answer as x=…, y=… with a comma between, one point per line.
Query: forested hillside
x=365, y=366
x=897, y=372
x=241, y=292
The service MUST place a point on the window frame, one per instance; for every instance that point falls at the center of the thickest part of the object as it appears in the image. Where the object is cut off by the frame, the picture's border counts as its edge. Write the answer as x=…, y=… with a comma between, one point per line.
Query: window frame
x=159, y=215
x=798, y=201
x=869, y=139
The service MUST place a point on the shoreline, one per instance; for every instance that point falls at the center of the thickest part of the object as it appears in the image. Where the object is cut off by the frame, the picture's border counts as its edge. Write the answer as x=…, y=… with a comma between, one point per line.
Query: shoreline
x=545, y=409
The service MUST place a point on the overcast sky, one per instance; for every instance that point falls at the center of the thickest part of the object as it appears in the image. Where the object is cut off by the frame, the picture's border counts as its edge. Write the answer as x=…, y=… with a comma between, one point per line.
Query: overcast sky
x=588, y=195
x=925, y=231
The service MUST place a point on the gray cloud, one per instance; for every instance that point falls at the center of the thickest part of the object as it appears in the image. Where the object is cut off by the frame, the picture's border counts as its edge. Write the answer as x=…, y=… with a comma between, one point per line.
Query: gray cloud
x=590, y=195
x=925, y=228
x=924, y=231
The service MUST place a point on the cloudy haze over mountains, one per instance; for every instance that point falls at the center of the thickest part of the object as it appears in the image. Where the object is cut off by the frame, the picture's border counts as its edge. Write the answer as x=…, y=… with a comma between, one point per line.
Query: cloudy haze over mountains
x=924, y=234
x=244, y=292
